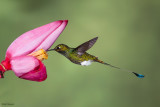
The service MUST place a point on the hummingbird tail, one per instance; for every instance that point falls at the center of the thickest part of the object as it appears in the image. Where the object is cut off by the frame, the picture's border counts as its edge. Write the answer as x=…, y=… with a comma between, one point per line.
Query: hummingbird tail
x=100, y=61
x=138, y=75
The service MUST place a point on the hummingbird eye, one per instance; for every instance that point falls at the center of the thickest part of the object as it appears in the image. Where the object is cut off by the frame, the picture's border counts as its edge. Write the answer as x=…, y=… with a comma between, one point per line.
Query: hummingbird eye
x=58, y=47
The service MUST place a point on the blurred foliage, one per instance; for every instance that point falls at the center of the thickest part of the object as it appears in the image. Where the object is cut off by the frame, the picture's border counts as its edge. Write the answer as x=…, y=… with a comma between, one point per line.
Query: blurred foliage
x=129, y=37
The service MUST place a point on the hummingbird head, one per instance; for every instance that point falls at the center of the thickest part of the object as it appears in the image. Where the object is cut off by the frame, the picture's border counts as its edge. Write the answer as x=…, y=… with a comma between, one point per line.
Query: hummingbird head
x=61, y=48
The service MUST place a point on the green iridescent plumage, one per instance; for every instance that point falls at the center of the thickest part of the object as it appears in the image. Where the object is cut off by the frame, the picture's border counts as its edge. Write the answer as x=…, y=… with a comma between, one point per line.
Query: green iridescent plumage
x=80, y=56
x=73, y=55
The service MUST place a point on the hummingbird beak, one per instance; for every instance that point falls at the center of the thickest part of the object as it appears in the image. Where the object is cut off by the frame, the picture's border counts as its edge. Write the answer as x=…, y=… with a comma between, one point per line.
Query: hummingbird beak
x=51, y=50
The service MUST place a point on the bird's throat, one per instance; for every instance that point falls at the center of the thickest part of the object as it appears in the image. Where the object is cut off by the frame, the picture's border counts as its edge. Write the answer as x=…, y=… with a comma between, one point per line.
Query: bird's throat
x=65, y=53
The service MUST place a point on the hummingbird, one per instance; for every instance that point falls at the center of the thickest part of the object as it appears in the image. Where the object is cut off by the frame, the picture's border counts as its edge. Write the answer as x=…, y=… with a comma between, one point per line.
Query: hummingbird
x=79, y=55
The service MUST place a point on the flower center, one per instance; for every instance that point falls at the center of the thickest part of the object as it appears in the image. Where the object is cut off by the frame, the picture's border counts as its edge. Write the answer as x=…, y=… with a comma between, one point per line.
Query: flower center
x=40, y=54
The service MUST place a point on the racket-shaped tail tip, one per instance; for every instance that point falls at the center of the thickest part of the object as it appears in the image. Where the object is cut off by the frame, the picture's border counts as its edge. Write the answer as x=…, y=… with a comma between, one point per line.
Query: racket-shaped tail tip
x=138, y=75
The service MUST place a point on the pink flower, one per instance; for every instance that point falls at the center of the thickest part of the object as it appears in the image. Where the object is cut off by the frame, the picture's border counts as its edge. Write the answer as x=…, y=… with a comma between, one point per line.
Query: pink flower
x=25, y=55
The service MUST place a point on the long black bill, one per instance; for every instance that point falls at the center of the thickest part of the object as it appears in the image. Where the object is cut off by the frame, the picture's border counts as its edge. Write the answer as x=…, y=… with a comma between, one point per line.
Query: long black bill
x=1, y=73
x=51, y=50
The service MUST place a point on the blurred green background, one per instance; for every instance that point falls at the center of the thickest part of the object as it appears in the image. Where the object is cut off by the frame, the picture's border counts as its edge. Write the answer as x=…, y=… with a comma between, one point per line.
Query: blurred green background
x=129, y=37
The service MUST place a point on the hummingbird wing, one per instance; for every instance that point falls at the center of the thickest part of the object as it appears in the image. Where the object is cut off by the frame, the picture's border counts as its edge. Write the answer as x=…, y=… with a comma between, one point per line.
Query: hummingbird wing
x=81, y=49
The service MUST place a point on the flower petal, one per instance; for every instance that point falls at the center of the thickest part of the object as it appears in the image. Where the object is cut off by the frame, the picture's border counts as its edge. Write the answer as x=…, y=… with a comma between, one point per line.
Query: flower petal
x=38, y=74
x=29, y=68
x=23, y=64
x=48, y=42
x=40, y=38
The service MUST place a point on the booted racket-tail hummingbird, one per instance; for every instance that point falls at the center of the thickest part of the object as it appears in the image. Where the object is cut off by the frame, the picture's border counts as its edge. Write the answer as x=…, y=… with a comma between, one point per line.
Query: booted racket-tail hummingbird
x=79, y=55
